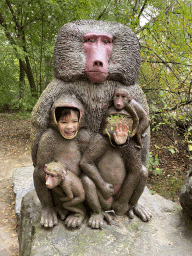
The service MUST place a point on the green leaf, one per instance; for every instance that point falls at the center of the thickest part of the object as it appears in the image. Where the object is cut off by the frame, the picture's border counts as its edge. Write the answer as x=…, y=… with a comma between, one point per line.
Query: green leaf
x=172, y=150
x=157, y=171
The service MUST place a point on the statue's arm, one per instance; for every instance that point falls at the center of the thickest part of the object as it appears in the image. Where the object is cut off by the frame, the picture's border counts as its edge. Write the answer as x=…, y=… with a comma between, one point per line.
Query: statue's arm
x=95, y=150
x=68, y=191
x=45, y=155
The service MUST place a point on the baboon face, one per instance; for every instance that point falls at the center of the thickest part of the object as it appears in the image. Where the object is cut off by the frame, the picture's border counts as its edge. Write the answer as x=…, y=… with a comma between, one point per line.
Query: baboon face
x=120, y=98
x=52, y=181
x=54, y=174
x=97, y=51
x=97, y=48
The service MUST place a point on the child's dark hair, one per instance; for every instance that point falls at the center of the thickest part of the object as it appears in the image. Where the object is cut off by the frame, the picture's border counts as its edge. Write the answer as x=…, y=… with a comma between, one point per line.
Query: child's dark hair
x=65, y=111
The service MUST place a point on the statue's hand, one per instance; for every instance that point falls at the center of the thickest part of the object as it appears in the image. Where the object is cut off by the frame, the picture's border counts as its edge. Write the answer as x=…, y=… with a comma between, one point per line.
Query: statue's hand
x=121, y=133
x=107, y=190
x=48, y=217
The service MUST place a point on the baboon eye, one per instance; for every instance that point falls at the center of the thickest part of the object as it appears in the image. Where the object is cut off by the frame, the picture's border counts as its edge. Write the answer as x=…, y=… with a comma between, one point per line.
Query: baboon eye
x=91, y=40
x=105, y=41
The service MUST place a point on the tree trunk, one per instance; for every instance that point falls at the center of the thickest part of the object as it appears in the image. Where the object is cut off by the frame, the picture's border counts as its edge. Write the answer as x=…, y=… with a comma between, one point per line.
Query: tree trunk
x=30, y=77
x=21, y=81
x=25, y=65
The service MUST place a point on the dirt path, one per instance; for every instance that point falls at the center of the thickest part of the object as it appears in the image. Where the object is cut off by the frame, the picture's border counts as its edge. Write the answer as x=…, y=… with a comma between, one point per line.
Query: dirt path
x=15, y=152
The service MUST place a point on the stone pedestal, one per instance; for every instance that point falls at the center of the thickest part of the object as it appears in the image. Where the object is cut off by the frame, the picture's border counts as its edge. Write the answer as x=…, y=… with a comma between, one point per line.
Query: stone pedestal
x=168, y=232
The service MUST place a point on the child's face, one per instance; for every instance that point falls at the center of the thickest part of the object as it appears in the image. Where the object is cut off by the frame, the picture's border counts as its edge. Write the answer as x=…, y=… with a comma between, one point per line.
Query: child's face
x=68, y=125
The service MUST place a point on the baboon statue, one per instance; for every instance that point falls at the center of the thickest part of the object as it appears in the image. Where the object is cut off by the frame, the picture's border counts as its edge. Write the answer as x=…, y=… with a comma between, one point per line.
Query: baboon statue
x=91, y=59
x=68, y=189
x=125, y=104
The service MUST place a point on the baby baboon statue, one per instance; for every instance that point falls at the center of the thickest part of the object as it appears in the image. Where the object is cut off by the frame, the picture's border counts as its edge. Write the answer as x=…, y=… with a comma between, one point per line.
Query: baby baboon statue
x=123, y=103
x=67, y=186
x=92, y=59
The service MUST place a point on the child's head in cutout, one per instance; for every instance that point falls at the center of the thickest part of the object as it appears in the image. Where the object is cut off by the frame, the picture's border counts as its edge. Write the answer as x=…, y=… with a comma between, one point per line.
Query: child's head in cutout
x=68, y=122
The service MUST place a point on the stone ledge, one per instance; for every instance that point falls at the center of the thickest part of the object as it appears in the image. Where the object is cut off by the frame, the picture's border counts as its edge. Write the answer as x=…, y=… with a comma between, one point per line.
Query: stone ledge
x=168, y=232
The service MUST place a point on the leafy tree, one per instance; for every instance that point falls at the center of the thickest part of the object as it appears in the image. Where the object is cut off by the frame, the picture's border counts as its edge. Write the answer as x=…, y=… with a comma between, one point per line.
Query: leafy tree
x=28, y=29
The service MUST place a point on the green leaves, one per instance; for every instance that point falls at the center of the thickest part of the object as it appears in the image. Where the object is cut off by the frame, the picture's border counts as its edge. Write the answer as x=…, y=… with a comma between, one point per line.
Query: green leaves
x=166, y=65
x=152, y=164
x=28, y=30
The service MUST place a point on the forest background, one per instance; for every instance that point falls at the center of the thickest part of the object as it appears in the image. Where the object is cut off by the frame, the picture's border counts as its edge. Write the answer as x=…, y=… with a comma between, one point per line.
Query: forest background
x=28, y=30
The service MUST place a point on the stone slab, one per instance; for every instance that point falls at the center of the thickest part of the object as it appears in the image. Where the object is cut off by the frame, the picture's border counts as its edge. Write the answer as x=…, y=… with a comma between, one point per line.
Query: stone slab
x=22, y=183
x=168, y=233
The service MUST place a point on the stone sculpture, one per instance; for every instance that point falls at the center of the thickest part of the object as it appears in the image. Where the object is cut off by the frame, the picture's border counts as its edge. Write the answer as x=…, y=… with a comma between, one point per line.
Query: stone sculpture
x=123, y=104
x=186, y=193
x=102, y=178
x=91, y=60
x=69, y=192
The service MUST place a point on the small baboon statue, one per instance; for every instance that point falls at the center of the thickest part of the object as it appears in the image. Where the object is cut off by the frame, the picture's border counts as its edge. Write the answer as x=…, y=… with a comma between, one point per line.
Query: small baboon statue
x=66, y=185
x=122, y=102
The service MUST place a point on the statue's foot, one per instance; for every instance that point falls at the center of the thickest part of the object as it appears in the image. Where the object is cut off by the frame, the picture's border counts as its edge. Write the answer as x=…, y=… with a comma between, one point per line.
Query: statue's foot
x=96, y=220
x=48, y=217
x=74, y=220
x=143, y=213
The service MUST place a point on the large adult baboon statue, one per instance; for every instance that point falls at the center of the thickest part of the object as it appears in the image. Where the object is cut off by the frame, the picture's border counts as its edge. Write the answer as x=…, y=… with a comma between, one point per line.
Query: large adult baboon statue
x=91, y=59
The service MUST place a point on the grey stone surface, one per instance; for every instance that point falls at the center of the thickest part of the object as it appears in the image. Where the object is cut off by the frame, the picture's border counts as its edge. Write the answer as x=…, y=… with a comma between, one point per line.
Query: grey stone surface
x=22, y=183
x=167, y=234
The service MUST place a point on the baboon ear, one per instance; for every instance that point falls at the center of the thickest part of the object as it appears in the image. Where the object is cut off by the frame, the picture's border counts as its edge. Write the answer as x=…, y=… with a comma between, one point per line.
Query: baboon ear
x=63, y=174
x=45, y=167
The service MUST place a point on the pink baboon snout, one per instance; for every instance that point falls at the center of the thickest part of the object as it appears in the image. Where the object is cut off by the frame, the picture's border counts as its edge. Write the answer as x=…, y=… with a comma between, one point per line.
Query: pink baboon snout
x=97, y=48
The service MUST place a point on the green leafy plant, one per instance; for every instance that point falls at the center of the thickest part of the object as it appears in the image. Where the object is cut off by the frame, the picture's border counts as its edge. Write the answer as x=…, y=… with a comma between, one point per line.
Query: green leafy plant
x=152, y=164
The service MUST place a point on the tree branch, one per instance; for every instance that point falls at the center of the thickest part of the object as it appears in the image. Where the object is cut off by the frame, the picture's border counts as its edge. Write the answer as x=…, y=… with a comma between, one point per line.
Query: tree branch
x=175, y=107
x=151, y=21
x=165, y=63
x=99, y=17
x=13, y=14
x=136, y=6
x=168, y=62
x=142, y=9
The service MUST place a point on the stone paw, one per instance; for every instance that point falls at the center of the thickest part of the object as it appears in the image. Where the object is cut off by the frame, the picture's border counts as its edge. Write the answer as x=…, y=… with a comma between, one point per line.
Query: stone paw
x=140, y=211
x=96, y=221
x=48, y=217
x=109, y=216
x=74, y=220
